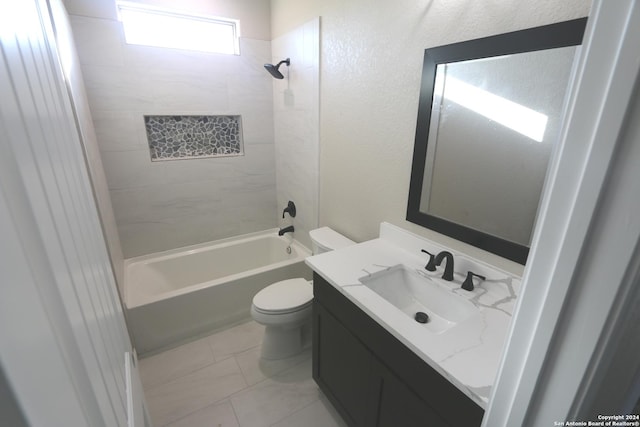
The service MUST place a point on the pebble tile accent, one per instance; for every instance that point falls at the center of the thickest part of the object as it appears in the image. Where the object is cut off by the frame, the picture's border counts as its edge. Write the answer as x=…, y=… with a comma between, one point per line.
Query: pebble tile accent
x=187, y=137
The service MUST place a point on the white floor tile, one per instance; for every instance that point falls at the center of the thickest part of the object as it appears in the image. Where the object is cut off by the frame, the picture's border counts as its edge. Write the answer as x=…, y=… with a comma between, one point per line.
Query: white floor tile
x=275, y=398
x=220, y=381
x=217, y=415
x=256, y=369
x=175, y=399
x=175, y=363
x=318, y=414
x=236, y=339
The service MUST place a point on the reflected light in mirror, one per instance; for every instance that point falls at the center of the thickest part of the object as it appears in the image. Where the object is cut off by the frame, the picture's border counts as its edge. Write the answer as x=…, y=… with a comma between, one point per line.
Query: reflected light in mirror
x=519, y=118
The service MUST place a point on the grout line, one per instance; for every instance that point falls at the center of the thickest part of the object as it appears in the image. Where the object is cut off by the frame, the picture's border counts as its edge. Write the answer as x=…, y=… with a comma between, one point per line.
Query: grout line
x=268, y=379
x=213, y=359
x=235, y=413
x=188, y=372
x=243, y=375
x=294, y=412
x=216, y=403
x=265, y=379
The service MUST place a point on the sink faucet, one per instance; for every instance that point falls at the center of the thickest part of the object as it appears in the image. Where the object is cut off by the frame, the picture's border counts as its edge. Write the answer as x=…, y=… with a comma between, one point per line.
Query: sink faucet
x=448, y=268
x=288, y=229
x=467, y=285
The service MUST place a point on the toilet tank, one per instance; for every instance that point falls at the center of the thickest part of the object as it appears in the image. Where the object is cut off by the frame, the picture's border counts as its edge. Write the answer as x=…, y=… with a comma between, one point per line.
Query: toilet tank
x=325, y=239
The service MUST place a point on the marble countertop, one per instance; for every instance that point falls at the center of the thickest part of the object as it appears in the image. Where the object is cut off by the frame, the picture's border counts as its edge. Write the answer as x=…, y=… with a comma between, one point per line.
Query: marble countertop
x=468, y=354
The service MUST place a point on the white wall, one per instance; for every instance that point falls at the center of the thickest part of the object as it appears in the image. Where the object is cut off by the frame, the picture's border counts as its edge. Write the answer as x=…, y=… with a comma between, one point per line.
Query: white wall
x=164, y=205
x=296, y=126
x=371, y=62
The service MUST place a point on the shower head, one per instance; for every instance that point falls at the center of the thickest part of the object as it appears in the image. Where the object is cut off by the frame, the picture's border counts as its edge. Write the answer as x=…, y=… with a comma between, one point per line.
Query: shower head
x=273, y=69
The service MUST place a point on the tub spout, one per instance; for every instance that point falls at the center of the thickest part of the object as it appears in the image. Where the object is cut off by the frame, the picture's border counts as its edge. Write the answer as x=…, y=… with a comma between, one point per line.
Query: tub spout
x=288, y=229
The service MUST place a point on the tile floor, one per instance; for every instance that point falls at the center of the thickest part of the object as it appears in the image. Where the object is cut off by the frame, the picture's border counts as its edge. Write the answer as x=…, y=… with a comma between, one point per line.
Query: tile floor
x=220, y=381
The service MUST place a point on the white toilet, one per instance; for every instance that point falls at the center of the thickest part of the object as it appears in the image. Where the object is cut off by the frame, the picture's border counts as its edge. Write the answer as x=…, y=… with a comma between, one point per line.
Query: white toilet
x=284, y=307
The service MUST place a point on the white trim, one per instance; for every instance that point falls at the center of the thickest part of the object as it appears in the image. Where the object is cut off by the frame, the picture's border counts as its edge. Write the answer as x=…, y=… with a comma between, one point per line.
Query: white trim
x=556, y=328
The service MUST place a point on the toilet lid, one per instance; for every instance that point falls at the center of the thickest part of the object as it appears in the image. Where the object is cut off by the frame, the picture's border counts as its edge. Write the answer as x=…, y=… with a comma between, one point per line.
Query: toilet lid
x=284, y=296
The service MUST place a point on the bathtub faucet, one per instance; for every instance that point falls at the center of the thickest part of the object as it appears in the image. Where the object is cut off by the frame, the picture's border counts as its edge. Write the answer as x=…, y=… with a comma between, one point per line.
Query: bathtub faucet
x=288, y=229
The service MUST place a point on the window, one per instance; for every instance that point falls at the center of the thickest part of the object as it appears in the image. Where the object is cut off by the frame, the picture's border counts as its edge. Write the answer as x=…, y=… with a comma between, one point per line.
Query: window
x=151, y=26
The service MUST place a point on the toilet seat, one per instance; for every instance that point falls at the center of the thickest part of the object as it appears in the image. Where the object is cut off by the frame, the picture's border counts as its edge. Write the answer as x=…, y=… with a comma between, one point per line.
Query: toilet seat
x=286, y=296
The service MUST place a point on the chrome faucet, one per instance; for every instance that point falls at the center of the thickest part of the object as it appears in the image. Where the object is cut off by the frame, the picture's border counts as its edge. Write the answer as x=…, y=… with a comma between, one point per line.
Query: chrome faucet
x=288, y=229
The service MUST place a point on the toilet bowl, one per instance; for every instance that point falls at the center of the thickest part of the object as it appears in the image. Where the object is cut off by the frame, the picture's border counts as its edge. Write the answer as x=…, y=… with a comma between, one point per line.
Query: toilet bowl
x=284, y=307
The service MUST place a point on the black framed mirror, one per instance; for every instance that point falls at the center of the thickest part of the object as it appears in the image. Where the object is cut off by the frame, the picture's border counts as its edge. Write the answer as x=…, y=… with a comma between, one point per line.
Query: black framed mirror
x=488, y=117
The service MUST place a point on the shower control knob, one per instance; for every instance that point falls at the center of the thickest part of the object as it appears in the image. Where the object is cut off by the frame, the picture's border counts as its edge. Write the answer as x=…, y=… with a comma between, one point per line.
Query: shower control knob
x=290, y=209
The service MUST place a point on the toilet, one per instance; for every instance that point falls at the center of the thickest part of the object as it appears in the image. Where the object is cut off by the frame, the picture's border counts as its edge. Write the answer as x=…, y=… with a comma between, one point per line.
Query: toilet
x=284, y=307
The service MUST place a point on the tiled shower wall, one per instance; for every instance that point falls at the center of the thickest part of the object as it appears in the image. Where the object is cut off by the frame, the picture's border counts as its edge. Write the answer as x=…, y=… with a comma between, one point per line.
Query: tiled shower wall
x=164, y=205
x=296, y=103
x=77, y=92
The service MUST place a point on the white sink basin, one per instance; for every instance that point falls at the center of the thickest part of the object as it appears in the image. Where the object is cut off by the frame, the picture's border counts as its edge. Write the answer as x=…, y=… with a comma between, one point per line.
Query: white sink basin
x=411, y=293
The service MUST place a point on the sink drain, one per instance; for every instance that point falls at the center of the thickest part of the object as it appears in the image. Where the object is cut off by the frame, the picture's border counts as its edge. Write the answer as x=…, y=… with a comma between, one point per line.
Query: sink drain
x=421, y=317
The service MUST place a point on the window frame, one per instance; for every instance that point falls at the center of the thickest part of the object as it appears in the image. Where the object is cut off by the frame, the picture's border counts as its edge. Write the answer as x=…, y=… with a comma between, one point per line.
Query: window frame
x=151, y=10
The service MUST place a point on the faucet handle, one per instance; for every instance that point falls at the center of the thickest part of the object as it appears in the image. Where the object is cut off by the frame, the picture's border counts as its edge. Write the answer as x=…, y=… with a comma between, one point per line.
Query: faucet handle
x=290, y=209
x=431, y=266
x=467, y=285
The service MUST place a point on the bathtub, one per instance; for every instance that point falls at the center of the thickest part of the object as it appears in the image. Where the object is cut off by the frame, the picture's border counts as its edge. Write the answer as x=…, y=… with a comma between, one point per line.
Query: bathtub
x=174, y=296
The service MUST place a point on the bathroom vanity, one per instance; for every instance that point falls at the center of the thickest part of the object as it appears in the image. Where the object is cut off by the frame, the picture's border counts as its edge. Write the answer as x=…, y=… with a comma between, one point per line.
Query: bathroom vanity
x=376, y=363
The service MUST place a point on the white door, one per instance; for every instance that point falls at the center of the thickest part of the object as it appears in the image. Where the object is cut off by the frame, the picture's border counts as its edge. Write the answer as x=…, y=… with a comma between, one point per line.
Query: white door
x=63, y=338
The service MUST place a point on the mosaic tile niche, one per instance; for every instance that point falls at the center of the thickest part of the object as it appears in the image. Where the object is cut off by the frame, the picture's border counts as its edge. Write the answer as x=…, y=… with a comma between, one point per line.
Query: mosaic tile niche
x=193, y=137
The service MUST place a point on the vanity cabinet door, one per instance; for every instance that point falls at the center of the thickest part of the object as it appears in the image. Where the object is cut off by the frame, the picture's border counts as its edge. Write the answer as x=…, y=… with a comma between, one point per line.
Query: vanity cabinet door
x=342, y=367
x=398, y=405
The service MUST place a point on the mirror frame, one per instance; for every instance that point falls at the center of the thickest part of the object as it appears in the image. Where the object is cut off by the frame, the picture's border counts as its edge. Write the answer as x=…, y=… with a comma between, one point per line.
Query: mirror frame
x=563, y=34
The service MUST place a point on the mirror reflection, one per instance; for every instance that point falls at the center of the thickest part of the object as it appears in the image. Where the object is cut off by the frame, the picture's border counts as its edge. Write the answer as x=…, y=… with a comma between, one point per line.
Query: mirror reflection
x=489, y=115
x=493, y=124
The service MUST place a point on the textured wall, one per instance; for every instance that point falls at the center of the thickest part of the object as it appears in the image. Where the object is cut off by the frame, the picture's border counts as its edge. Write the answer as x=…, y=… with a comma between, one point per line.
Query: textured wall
x=164, y=205
x=296, y=126
x=371, y=61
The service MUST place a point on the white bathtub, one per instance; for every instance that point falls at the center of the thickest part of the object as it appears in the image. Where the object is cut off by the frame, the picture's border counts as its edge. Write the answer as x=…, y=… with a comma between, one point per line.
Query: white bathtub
x=180, y=294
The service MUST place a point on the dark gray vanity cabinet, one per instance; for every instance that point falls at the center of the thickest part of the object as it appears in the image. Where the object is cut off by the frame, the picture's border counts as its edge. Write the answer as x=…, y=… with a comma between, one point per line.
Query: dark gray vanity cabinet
x=372, y=378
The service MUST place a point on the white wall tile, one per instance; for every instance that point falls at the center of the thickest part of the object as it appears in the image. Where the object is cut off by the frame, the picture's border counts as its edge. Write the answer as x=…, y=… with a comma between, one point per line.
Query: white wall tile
x=99, y=41
x=117, y=88
x=296, y=126
x=148, y=236
x=120, y=131
x=163, y=205
x=94, y=8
